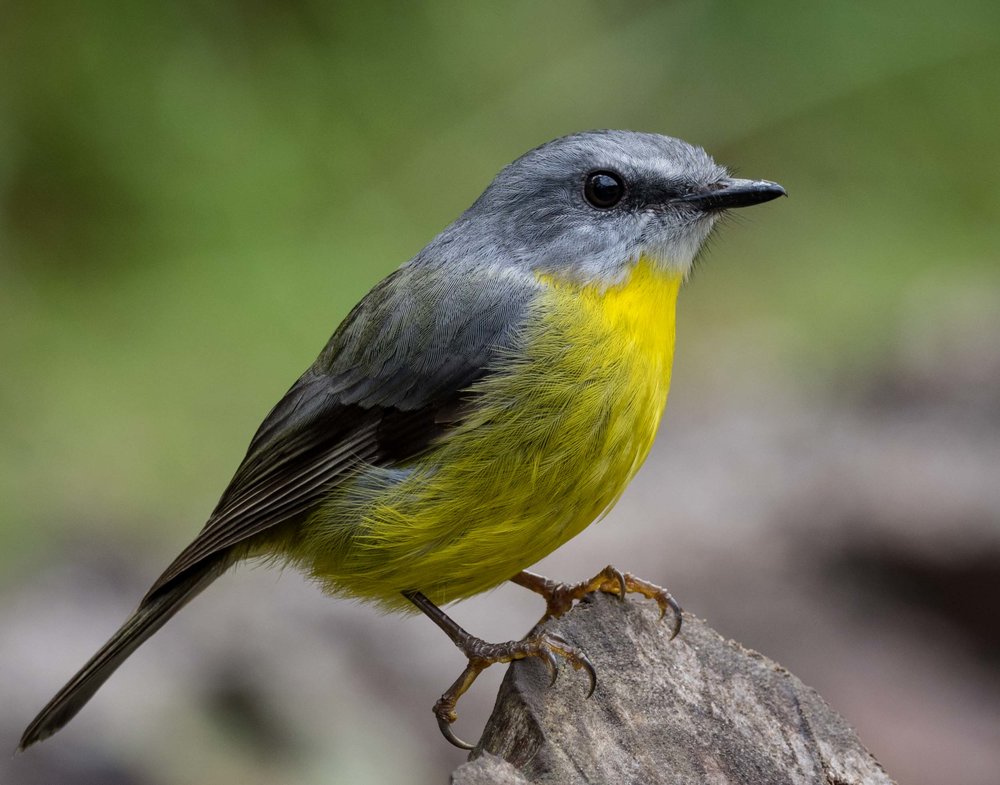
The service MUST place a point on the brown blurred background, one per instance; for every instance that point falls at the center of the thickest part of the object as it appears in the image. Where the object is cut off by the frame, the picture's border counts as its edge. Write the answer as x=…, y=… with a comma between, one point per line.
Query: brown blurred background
x=193, y=195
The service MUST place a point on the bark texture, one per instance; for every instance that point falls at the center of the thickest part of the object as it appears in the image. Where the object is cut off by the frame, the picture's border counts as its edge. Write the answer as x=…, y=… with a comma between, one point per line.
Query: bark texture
x=698, y=709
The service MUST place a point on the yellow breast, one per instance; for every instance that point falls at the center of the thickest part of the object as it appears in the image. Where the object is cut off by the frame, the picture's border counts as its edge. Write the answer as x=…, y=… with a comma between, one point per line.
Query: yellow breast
x=623, y=339
x=554, y=440
x=638, y=313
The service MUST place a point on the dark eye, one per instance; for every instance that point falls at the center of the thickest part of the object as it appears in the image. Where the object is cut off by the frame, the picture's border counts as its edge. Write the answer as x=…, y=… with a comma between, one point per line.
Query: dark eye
x=603, y=189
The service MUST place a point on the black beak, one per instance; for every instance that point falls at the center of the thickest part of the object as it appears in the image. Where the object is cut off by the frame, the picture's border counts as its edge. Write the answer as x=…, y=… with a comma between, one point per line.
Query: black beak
x=734, y=193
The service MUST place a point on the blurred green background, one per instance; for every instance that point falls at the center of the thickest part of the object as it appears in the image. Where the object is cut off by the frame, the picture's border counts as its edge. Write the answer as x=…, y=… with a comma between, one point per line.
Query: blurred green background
x=192, y=195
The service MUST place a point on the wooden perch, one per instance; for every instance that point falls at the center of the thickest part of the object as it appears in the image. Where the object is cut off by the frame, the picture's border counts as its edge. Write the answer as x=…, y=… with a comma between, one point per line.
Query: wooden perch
x=698, y=709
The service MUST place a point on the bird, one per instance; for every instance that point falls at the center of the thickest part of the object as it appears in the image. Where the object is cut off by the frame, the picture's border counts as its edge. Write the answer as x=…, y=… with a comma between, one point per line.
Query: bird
x=478, y=407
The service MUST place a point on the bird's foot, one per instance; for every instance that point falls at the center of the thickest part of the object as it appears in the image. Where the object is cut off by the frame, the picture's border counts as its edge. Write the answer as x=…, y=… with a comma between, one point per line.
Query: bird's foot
x=559, y=597
x=546, y=646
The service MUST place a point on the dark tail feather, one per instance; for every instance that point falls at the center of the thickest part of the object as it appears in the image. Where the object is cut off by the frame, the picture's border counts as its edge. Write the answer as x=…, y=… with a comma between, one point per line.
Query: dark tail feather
x=148, y=618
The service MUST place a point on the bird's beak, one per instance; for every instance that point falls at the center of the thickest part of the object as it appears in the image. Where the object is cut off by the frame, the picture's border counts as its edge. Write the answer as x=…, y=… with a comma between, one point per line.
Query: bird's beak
x=733, y=193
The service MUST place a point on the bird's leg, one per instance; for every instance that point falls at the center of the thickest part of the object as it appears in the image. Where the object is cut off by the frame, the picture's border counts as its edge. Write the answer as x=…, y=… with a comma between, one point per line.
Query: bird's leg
x=559, y=597
x=543, y=645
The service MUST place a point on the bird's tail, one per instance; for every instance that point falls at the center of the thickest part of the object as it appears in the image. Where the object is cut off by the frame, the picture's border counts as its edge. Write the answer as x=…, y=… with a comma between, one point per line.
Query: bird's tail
x=152, y=614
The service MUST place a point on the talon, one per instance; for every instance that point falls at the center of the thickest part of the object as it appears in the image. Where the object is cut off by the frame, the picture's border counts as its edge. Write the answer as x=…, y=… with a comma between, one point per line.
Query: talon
x=444, y=710
x=622, y=584
x=445, y=725
x=576, y=658
x=588, y=666
x=678, y=615
x=552, y=664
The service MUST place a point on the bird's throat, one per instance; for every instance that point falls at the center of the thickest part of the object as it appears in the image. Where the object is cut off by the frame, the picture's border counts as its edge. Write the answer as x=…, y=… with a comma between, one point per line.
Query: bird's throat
x=638, y=311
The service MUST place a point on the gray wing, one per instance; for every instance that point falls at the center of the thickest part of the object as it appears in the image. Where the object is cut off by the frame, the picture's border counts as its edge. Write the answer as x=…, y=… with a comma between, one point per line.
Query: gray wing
x=392, y=379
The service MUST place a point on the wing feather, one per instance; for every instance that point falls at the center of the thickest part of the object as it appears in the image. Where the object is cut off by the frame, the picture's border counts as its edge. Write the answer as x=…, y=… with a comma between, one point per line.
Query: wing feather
x=392, y=379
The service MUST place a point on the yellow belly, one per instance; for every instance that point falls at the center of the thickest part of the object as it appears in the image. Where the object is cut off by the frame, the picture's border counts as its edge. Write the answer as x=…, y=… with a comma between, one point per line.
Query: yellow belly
x=555, y=439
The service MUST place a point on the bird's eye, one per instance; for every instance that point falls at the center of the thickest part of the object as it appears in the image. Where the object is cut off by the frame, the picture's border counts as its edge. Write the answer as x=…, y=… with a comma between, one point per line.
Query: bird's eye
x=603, y=189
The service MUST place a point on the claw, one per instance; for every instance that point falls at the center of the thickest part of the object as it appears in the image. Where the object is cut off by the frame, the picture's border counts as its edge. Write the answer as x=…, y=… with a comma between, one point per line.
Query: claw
x=678, y=615
x=552, y=664
x=622, y=584
x=666, y=602
x=576, y=658
x=445, y=725
x=588, y=666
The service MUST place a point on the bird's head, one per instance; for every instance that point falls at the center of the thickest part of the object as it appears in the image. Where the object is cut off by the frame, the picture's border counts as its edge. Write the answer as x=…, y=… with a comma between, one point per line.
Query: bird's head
x=587, y=207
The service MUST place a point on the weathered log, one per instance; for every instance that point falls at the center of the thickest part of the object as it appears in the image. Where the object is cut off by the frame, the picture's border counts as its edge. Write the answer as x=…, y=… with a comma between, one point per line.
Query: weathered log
x=697, y=709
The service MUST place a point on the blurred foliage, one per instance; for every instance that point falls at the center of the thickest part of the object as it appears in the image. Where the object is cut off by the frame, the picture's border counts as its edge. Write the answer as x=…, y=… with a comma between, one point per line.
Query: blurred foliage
x=193, y=194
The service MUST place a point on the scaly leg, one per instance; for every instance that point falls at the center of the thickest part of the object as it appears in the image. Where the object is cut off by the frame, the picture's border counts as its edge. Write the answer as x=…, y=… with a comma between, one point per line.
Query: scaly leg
x=544, y=645
x=559, y=597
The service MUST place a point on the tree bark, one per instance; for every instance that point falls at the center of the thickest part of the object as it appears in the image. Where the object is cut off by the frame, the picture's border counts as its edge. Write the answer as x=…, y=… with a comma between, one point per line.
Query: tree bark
x=698, y=709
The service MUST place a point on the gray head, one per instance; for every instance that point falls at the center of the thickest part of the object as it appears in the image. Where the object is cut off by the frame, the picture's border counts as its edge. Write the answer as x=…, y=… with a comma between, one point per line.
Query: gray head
x=588, y=206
